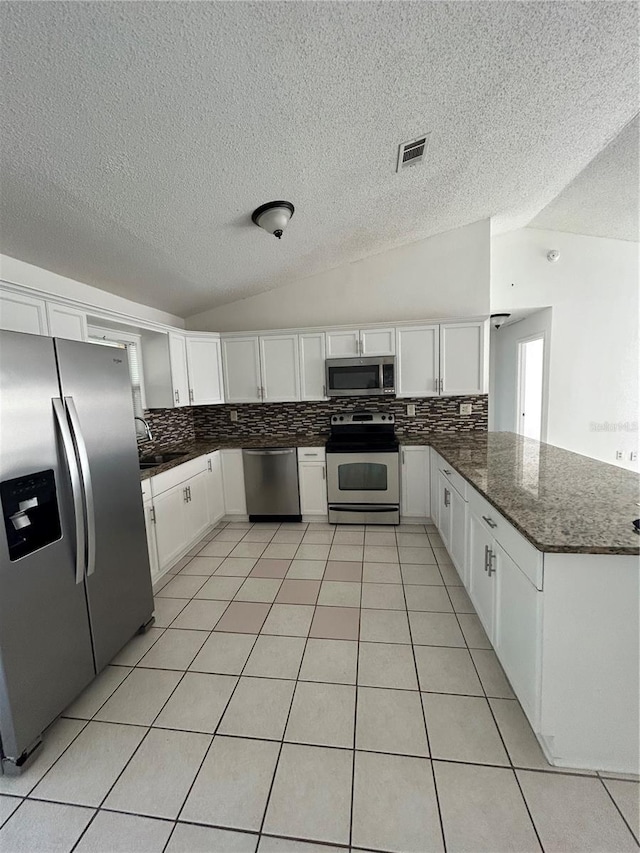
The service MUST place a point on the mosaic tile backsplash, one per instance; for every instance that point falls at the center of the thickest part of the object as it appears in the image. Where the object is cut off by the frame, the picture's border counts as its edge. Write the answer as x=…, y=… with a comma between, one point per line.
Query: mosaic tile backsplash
x=433, y=414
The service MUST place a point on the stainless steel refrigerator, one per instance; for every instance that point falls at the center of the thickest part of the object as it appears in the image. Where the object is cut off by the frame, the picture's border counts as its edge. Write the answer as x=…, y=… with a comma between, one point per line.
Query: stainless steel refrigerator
x=75, y=582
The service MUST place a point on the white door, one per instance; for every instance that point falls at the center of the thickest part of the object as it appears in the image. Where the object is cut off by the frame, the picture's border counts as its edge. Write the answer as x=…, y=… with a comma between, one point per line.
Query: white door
x=280, y=368
x=197, y=514
x=235, y=501
x=20, y=313
x=215, y=495
x=171, y=536
x=482, y=585
x=458, y=539
x=150, y=525
x=414, y=475
x=444, y=509
x=343, y=343
x=462, y=361
x=205, y=371
x=378, y=341
x=241, y=366
x=530, y=387
x=518, y=635
x=179, y=377
x=418, y=364
x=312, y=371
x=67, y=322
x=313, y=488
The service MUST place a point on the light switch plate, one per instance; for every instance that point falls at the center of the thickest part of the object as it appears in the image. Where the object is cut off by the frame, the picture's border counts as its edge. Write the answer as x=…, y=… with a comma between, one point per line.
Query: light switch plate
x=234, y=415
x=411, y=410
x=465, y=408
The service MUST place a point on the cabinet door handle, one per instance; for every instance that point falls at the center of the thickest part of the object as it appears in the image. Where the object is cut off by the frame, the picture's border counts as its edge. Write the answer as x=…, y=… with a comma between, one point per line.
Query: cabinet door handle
x=435, y=385
x=447, y=472
x=152, y=515
x=209, y=466
x=441, y=386
x=177, y=396
x=189, y=492
x=324, y=473
x=490, y=569
x=489, y=521
x=447, y=496
x=184, y=494
x=191, y=395
x=403, y=457
x=324, y=390
x=486, y=557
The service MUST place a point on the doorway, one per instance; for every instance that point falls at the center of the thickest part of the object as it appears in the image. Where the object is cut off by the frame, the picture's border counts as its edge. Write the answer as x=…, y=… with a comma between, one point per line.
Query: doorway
x=530, y=386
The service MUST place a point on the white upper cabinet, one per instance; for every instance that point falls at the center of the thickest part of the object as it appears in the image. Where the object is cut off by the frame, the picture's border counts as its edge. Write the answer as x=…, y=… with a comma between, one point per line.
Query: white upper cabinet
x=462, y=358
x=418, y=363
x=280, y=368
x=22, y=313
x=205, y=370
x=241, y=363
x=343, y=344
x=67, y=322
x=312, y=370
x=377, y=342
x=353, y=342
x=179, y=375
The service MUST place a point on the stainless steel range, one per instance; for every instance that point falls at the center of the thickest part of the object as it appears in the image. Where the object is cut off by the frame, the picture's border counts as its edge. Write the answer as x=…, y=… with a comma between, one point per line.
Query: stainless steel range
x=363, y=469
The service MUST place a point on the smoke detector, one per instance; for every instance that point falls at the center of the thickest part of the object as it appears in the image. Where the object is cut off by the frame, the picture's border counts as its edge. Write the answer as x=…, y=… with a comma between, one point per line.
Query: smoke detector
x=413, y=152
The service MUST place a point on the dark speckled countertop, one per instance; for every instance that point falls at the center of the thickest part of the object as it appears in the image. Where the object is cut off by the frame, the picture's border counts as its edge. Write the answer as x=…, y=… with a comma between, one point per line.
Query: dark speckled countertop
x=560, y=501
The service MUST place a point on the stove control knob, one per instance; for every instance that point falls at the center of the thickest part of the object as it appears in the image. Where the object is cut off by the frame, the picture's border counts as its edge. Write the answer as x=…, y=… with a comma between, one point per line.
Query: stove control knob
x=341, y=418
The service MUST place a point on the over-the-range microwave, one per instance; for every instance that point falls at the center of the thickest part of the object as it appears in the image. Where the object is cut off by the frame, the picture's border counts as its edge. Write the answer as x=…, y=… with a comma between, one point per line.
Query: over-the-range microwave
x=361, y=377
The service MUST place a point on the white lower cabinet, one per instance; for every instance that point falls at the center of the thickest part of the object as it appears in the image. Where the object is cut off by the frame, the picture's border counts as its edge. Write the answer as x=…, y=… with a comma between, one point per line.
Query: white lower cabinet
x=312, y=480
x=170, y=524
x=149, y=521
x=196, y=513
x=482, y=573
x=415, y=500
x=235, y=501
x=215, y=494
x=518, y=631
x=458, y=534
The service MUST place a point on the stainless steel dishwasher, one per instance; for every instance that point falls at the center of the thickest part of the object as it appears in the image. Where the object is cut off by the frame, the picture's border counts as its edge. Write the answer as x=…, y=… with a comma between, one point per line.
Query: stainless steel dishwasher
x=271, y=484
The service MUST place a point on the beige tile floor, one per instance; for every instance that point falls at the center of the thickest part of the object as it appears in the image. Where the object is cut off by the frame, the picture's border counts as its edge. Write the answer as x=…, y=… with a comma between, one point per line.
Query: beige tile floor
x=308, y=689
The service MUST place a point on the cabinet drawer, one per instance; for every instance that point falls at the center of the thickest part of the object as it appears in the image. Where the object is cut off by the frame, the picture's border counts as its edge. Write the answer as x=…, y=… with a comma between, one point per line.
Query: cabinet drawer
x=524, y=555
x=457, y=481
x=145, y=485
x=169, y=479
x=311, y=454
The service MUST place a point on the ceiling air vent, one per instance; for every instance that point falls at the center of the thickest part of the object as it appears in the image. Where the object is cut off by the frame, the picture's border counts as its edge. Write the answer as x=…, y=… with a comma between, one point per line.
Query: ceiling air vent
x=411, y=153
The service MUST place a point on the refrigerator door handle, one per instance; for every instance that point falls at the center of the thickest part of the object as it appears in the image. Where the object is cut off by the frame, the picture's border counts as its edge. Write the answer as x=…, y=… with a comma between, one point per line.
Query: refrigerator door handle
x=85, y=473
x=76, y=488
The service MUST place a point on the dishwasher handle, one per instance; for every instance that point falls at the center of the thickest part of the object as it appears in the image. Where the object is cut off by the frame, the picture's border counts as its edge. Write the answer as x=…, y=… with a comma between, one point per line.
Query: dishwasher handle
x=269, y=452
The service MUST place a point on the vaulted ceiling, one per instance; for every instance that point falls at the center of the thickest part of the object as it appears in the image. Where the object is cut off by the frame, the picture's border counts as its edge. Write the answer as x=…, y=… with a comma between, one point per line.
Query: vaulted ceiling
x=137, y=138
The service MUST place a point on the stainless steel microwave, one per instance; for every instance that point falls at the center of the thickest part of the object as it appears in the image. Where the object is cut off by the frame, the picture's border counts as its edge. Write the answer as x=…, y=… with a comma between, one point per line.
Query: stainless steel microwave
x=361, y=377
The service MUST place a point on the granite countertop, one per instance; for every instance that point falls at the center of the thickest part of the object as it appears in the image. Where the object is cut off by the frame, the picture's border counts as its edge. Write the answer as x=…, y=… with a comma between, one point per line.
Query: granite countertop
x=199, y=448
x=560, y=501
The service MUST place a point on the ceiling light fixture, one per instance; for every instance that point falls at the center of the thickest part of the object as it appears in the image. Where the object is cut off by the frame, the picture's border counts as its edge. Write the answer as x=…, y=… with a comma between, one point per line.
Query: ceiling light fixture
x=499, y=319
x=273, y=216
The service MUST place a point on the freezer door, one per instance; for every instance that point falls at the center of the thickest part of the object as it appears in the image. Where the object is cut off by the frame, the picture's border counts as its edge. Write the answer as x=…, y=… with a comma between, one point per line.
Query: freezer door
x=45, y=644
x=97, y=392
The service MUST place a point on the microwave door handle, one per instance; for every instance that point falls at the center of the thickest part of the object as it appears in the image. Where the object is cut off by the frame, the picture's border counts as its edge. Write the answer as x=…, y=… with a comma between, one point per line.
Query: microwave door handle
x=381, y=377
x=76, y=488
x=87, y=485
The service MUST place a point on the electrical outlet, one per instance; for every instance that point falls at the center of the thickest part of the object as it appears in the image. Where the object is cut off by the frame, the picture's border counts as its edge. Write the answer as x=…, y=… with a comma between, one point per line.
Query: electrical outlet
x=234, y=415
x=465, y=408
x=411, y=410
x=633, y=456
x=619, y=454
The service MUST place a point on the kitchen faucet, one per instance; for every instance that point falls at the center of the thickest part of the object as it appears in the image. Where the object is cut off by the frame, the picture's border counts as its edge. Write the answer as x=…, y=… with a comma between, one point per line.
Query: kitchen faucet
x=146, y=427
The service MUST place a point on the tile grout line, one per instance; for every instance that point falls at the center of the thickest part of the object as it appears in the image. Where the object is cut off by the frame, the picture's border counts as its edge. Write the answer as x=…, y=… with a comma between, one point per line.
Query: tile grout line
x=619, y=810
x=495, y=722
x=424, y=719
x=355, y=709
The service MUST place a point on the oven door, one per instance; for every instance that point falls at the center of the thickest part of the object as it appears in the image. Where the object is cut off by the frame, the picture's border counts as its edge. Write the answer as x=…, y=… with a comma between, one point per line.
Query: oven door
x=363, y=478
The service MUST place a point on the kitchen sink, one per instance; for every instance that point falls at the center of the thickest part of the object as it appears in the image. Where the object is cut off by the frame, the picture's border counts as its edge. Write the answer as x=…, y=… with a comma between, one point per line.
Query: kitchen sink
x=152, y=461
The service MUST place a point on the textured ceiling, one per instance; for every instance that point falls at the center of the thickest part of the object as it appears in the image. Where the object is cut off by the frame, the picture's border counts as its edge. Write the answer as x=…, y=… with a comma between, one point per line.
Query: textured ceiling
x=604, y=200
x=138, y=137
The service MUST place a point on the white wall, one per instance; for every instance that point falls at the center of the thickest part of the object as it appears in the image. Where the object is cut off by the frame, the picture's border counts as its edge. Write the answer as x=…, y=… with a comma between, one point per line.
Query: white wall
x=503, y=379
x=444, y=276
x=19, y=272
x=594, y=366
